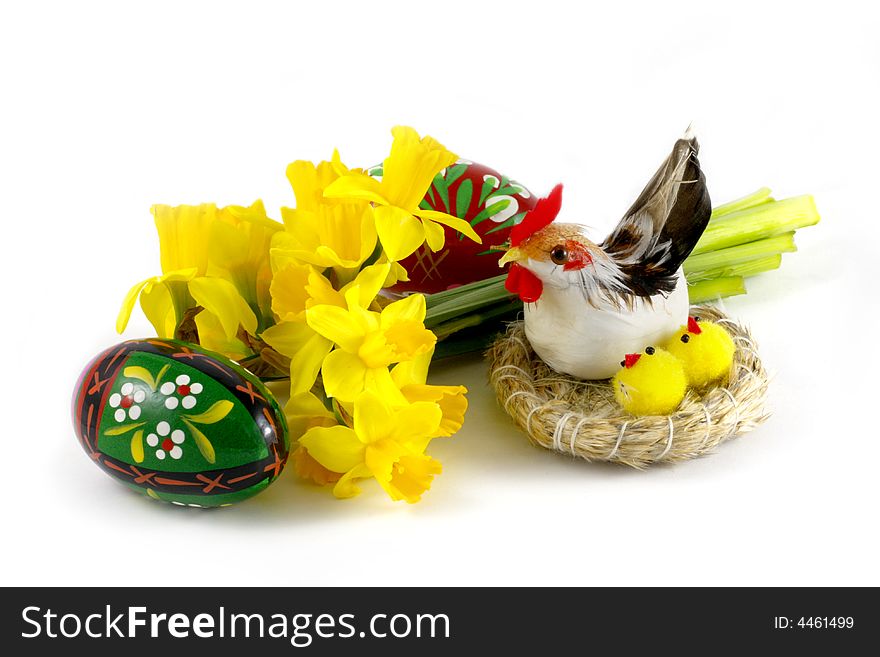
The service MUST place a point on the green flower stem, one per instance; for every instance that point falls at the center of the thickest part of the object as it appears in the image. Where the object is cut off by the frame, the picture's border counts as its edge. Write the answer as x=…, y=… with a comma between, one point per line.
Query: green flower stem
x=716, y=288
x=439, y=297
x=734, y=255
x=758, y=222
x=466, y=301
x=446, y=329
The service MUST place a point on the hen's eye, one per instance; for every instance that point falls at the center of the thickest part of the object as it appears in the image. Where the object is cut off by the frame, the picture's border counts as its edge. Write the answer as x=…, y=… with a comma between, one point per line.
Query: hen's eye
x=559, y=255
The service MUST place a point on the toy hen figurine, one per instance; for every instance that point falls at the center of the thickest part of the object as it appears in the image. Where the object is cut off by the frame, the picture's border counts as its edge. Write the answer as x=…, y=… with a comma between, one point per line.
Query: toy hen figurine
x=587, y=304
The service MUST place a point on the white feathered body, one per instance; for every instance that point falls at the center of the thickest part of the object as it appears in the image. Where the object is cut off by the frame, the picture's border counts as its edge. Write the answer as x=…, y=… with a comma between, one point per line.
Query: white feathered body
x=589, y=340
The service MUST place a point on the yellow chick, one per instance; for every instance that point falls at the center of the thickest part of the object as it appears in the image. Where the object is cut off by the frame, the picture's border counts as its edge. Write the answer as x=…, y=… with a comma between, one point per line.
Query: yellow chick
x=705, y=351
x=650, y=383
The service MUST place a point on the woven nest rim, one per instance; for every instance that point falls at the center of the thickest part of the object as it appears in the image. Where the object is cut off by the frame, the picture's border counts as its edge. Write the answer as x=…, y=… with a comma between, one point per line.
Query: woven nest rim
x=581, y=418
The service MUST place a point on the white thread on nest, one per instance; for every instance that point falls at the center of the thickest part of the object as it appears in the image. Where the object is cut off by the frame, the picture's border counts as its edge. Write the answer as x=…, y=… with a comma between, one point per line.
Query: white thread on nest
x=557, y=431
x=574, y=434
x=750, y=347
x=735, y=408
x=511, y=376
x=619, y=438
x=668, y=441
x=526, y=375
x=708, y=427
x=519, y=392
x=748, y=341
x=529, y=418
x=726, y=320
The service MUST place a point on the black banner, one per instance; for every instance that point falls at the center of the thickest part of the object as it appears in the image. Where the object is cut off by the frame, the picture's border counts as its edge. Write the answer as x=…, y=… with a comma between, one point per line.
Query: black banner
x=322, y=621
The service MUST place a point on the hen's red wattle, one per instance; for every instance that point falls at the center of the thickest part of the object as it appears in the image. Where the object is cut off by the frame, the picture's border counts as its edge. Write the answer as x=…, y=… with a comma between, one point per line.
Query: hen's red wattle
x=524, y=283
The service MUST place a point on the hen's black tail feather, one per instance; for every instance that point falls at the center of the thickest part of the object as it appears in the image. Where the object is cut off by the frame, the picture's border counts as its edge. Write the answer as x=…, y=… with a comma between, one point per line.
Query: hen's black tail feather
x=664, y=224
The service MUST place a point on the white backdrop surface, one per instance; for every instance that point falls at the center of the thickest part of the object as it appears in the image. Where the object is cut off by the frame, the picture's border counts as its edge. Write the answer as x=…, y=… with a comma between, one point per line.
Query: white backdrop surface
x=106, y=108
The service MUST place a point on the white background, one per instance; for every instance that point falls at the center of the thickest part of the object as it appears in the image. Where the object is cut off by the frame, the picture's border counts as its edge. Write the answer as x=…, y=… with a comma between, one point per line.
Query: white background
x=106, y=108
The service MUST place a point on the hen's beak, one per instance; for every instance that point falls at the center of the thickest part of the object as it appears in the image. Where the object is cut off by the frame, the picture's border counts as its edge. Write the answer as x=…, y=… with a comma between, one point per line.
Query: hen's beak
x=513, y=254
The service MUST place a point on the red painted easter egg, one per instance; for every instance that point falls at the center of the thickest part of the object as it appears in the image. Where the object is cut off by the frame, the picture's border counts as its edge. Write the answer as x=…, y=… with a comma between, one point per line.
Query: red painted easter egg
x=490, y=202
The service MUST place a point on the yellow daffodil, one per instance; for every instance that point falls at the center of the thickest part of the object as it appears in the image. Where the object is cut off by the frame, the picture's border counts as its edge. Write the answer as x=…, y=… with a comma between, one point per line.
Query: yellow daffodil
x=183, y=235
x=296, y=288
x=305, y=466
x=183, y=253
x=238, y=251
x=385, y=442
x=407, y=175
x=163, y=300
x=304, y=411
x=368, y=342
x=214, y=258
x=339, y=234
x=213, y=336
x=410, y=378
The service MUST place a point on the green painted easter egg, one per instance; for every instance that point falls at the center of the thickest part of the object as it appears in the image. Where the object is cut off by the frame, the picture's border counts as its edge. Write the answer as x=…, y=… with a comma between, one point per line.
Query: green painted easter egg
x=180, y=423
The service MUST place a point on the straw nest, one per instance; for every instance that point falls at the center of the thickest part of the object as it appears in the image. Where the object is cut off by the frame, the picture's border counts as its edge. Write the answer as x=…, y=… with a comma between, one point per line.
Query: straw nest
x=582, y=418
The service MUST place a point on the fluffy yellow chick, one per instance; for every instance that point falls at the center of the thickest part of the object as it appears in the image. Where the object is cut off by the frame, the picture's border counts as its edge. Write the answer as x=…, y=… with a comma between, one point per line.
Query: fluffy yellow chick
x=650, y=383
x=705, y=351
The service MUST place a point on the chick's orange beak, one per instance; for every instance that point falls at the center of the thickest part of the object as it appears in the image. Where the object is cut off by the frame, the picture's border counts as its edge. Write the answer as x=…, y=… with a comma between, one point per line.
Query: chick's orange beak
x=513, y=254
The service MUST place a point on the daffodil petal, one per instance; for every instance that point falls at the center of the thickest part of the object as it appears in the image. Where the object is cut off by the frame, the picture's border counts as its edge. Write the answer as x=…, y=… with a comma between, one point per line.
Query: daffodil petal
x=416, y=421
x=453, y=222
x=304, y=411
x=369, y=281
x=336, y=448
x=399, y=231
x=128, y=303
x=306, y=364
x=344, y=375
x=288, y=337
x=435, y=235
x=336, y=324
x=378, y=380
x=305, y=348
x=412, y=372
x=306, y=403
x=360, y=187
x=373, y=417
x=321, y=292
x=159, y=309
x=451, y=400
x=221, y=298
x=346, y=487
x=411, y=308
x=368, y=235
x=213, y=337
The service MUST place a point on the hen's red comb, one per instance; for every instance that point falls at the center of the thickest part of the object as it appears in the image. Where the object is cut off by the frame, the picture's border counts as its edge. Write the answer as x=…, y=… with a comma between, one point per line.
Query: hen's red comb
x=542, y=215
x=693, y=327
